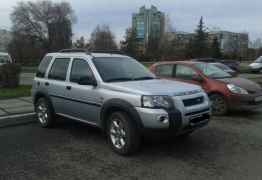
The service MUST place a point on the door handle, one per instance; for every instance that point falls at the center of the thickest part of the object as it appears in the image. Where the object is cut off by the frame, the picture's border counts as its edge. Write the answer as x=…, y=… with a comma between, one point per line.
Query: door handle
x=47, y=84
x=68, y=87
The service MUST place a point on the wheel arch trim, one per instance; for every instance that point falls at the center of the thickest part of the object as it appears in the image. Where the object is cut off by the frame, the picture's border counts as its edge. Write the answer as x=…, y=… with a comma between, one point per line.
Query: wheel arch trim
x=119, y=105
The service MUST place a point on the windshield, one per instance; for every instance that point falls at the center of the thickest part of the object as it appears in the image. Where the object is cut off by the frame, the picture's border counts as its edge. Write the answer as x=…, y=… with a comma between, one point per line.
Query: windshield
x=223, y=67
x=113, y=69
x=259, y=60
x=4, y=59
x=212, y=71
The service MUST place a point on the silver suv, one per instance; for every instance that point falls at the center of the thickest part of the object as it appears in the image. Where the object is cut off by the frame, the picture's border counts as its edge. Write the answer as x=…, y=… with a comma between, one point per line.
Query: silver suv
x=117, y=94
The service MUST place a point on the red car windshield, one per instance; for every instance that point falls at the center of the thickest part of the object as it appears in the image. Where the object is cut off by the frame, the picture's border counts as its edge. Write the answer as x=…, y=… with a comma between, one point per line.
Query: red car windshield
x=212, y=71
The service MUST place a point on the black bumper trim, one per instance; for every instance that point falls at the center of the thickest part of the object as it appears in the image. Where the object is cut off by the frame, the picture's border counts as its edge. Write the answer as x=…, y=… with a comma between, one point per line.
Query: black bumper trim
x=198, y=112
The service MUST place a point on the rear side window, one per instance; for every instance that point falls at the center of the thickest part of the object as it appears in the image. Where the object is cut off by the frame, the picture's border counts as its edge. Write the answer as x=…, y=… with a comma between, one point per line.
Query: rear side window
x=184, y=72
x=43, y=66
x=165, y=70
x=80, y=68
x=59, y=69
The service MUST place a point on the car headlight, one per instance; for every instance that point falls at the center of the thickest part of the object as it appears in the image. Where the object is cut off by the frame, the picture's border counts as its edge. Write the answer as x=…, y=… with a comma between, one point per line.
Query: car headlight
x=157, y=102
x=236, y=89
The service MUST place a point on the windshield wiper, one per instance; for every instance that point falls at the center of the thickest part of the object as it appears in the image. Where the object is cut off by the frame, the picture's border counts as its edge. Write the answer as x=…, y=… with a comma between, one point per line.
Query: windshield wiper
x=119, y=79
x=144, y=78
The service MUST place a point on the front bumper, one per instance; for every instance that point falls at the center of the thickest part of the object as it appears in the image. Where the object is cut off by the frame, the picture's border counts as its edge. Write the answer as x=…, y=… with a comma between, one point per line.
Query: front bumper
x=250, y=101
x=178, y=123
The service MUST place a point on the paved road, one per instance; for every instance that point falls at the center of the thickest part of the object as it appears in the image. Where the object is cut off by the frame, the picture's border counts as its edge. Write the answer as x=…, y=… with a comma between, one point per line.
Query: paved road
x=230, y=148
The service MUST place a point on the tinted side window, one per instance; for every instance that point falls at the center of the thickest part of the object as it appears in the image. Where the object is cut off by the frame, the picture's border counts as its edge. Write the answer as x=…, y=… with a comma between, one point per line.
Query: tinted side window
x=80, y=68
x=43, y=66
x=165, y=70
x=184, y=72
x=59, y=69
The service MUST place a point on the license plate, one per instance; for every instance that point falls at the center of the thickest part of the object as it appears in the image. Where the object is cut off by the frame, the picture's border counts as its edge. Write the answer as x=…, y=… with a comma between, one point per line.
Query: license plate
x=258, y=99
x=196, y=116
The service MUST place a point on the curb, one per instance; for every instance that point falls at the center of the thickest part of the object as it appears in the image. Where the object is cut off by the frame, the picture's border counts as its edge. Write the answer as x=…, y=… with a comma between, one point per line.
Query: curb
x=17, y=119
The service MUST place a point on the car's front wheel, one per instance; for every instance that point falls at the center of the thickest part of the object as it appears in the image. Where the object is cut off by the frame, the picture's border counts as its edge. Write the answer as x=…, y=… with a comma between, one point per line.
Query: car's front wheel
x=44, y=112
x=123, y=134
x=219, y=104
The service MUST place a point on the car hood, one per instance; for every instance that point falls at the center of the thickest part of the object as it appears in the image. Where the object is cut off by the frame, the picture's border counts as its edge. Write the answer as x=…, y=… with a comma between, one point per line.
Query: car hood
x=243, y=83
x=155, y=87
x=254, y=65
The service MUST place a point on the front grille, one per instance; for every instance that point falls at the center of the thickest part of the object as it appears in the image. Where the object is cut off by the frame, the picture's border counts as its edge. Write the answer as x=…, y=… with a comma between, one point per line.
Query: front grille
x=193, y=101
x=197, y=112
x=199, y=119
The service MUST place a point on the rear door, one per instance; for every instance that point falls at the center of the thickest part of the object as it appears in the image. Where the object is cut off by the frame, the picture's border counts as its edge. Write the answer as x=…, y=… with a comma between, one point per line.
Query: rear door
x=56, y=83
x=165, y=71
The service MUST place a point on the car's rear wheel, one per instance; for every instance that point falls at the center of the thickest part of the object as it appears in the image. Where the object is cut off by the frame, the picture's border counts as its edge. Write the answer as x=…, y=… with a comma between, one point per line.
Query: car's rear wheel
x=219, y=104
x=123, y=134
x=44, y=112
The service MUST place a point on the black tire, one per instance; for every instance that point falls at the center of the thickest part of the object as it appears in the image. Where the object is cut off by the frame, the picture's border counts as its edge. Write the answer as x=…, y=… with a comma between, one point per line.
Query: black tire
x=46, y=117
x=255, y=71
x=131, y=135
x=219, y=104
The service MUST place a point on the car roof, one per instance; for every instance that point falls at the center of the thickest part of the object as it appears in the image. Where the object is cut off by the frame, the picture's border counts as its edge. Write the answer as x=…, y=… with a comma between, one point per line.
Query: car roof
x=179, y=62
x=218, y=63
x=204, y=59
x=82, y=54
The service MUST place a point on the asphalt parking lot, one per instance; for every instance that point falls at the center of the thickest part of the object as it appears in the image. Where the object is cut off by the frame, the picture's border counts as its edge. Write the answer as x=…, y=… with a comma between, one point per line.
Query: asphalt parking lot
x=229, y=148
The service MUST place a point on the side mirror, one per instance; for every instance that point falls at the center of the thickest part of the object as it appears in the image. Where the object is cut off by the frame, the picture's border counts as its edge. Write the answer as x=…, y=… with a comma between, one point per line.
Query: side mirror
x=197, y=78
x=85, y=80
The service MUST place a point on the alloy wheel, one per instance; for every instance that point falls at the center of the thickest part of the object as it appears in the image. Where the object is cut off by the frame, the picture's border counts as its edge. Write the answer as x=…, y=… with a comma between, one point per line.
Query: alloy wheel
x=219, y=106
x=117, y=133
x=42, y=113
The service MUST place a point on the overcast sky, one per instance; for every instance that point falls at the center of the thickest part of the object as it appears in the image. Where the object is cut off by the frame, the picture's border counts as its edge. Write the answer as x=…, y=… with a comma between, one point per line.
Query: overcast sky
x=232, y=15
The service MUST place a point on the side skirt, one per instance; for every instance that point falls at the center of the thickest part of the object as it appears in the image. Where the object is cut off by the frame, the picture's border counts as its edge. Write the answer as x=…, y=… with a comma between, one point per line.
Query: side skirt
x=78, y=119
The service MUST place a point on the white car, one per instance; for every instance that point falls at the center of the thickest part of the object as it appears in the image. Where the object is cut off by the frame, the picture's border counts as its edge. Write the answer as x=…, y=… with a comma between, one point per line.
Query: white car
x=256, y=66
x=5, y=58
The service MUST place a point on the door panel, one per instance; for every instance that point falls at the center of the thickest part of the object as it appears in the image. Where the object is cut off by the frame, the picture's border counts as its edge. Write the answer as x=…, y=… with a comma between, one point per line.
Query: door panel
x=56, y=83
x=83, y=102
x=84, y=99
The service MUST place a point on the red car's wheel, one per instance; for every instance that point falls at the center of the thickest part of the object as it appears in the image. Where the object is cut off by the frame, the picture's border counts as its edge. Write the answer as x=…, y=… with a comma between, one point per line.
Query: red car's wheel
x=219, y=104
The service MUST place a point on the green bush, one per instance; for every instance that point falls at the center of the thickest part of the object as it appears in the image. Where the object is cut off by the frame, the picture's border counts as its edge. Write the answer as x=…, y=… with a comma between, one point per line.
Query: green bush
x=9, y=75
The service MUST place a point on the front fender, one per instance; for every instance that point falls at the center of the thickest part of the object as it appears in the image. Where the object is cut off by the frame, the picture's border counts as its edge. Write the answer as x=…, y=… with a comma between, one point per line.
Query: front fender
x=113, y=105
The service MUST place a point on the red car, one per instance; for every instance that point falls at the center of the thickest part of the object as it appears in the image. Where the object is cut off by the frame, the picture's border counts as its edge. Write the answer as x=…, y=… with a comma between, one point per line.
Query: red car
x=225, y=91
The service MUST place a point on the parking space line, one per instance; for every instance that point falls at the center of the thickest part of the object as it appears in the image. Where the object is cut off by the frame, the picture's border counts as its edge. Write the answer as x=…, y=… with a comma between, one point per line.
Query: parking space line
x=16, y=116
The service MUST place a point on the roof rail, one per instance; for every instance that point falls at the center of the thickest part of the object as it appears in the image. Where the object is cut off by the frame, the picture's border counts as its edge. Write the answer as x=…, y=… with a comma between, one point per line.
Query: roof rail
x=79, y=50
x=108, y=51
x=76, y=50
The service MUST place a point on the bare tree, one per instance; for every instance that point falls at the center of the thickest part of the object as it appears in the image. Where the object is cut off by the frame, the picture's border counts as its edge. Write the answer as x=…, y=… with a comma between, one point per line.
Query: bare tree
x=81, y=43
x=130, y=44
x=102, y=39
x=46, y=22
